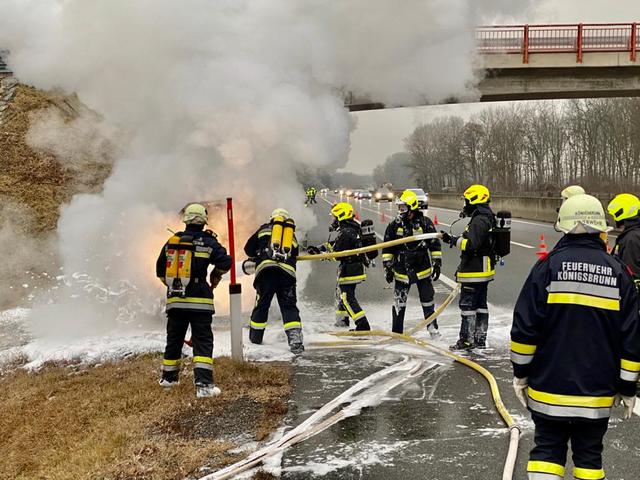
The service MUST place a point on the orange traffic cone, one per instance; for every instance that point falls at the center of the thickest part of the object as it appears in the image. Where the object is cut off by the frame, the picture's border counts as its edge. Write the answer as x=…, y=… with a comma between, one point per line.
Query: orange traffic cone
x=357, y=216
x=383, y=217
x=542, y=249
x=435, y=219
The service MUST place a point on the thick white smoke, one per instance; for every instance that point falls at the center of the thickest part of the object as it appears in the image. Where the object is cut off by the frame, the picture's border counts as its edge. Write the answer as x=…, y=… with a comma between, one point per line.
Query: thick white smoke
x=217, y=99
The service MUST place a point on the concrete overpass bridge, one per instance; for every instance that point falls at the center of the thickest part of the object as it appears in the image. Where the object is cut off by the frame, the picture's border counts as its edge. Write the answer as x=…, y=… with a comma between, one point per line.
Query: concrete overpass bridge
x=532, y=62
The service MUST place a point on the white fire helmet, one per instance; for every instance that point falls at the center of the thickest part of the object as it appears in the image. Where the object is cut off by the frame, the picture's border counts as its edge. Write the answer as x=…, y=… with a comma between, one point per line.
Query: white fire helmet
x=582, y=214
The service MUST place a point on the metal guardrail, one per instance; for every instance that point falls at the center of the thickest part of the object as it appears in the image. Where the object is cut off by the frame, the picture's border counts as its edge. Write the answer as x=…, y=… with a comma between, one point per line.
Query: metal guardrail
x=4, y=68
x=578, y=38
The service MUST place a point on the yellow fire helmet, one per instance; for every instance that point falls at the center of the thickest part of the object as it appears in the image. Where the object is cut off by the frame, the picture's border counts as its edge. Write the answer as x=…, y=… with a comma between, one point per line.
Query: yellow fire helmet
x=195, y=214
x=624, y=206
x=410, y=199
x=342, y=211
x=572, y=190
x=582, y=214
x=280, y=212
x=477, y=194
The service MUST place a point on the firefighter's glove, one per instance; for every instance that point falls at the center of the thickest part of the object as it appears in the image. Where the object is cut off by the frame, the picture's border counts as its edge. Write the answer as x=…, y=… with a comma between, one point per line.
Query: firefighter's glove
x=520, y=388
x=436, y=268
x=313, y=250
x=627, y=403
x=215, y=277
x=448, y=238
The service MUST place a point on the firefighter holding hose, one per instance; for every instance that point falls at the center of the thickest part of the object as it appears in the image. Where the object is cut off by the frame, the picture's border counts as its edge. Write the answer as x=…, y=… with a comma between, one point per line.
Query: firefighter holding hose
x=575, y=344
x=182, y=266
x=412, y=263
x=351, y=270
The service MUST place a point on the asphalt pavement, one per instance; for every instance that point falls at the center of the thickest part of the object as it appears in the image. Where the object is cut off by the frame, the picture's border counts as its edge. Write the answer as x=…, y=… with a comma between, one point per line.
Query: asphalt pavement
x=444, y=424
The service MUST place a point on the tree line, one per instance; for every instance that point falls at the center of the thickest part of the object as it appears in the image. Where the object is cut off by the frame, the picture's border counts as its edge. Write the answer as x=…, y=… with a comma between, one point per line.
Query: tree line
x=536, y=147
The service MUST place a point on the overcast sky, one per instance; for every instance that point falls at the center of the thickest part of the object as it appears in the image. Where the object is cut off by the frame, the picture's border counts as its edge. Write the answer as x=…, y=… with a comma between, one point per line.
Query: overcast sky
x=380, y=133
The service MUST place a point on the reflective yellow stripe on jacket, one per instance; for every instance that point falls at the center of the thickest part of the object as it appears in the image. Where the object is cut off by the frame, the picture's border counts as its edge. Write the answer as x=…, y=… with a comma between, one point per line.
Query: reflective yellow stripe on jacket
x=352, y=280
x=581, y=406
x=190, y=303
x=522, y=353
x=488, y=271
x=272, y=263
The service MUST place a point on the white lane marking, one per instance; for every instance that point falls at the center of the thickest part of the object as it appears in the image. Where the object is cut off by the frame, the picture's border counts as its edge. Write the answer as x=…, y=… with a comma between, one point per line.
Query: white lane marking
x=522, y=245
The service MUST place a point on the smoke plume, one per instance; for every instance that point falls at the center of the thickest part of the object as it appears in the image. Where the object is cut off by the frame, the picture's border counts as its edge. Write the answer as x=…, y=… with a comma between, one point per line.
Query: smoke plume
x=216, y=99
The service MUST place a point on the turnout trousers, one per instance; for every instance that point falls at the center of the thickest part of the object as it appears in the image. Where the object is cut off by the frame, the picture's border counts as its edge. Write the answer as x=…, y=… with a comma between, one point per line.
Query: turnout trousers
x=400, y=295
x=548, y=457
x=274, y=282
x=474, y=312
x=349, y=307
x=178, y=322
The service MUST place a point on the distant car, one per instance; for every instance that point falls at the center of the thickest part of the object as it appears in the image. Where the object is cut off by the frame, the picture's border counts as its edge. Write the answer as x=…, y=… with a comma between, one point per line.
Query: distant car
x=337, y=191
x=383, y=195
x=324, y=191
x=349, y=193
x=423, y=198
x=364, y=195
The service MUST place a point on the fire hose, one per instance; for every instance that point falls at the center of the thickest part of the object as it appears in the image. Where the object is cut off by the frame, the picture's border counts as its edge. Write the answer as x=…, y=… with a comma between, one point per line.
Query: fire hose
x=514, y=429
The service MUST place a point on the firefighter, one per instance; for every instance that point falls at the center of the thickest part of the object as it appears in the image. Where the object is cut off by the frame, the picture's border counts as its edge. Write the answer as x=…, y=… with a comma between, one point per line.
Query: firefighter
x=411, y=263
x=275, y=270
x=476, y=269
x=351, y=270
x=571, y=190
x=575, y=344
x=624, y=209
x=182, y=265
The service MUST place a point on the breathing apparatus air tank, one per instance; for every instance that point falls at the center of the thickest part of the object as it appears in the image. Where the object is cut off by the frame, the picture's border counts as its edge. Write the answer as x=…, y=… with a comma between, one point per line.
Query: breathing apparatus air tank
x=502, y=234
x=287, y=236
x=368, y=236
x=276, y=233
x=179, y=253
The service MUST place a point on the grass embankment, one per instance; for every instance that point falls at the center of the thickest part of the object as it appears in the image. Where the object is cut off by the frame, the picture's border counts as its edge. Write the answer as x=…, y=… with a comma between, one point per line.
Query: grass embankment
x=114, y=422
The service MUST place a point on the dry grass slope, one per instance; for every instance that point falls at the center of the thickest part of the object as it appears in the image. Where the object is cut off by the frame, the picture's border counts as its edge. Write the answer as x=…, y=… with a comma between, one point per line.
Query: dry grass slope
x=34, y=178
x=113, y=422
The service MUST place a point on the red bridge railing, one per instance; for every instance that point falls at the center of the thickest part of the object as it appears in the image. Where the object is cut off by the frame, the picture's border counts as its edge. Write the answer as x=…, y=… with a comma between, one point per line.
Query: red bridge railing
x=579, y=39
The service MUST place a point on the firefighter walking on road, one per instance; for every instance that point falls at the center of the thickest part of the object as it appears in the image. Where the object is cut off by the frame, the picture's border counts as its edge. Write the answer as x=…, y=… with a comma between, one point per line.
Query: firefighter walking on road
x=476, y=269
x=182, y=266
x=575, y=344
x=351, y=270
x=411, y=263
x=625, y=210
x=273, y=252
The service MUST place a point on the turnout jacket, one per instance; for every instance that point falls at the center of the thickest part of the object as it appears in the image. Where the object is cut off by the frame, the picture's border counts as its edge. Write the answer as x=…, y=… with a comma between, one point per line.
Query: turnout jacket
x=477, y=260
x=411, y=261
x=627, y=247
x=576, y=331
x=352, y=268
x=199, y=295
x=258, y=247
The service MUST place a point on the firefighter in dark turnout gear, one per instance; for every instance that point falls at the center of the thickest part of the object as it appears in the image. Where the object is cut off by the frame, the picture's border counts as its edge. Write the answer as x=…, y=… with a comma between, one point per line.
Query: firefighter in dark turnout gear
x=624, y=209
x=182, y=265
x=575, y=344
x=476, y=269
x=351, y=270
x=411, y=263
x=275, y=276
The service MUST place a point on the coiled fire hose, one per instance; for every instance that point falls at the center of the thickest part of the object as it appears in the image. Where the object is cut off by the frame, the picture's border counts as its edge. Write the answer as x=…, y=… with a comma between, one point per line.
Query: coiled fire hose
x=513, y=427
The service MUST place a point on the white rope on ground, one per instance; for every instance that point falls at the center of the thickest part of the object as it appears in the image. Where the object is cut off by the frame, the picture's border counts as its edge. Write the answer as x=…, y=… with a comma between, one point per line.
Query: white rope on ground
x=378, y=383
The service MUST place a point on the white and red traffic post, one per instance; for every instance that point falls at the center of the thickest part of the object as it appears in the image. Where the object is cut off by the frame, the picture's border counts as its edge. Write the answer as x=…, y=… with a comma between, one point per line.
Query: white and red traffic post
x=235, y=294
